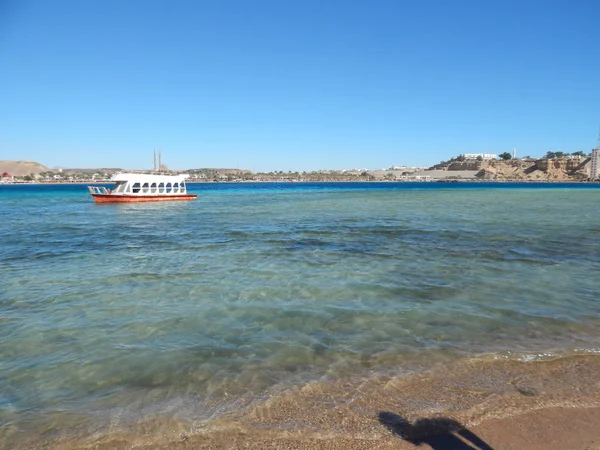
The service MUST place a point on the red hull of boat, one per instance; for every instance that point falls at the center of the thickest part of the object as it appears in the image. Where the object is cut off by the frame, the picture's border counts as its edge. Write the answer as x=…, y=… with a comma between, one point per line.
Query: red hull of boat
x=110, y=198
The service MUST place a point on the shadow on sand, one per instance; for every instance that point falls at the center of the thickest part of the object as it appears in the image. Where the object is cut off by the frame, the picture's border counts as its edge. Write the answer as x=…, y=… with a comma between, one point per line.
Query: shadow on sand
x=439, y=433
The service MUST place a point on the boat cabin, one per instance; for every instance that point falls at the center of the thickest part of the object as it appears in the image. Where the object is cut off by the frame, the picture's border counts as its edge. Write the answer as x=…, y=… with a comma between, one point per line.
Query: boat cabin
x=143, y=187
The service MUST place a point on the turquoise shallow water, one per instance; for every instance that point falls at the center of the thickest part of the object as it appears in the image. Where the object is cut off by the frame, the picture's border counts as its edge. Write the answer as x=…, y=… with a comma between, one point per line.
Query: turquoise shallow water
x=187, y=308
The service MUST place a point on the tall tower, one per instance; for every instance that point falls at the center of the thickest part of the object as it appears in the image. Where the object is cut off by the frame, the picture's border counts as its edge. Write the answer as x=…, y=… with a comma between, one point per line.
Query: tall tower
x=594, y=167
x=154, y=167
x=514, y=153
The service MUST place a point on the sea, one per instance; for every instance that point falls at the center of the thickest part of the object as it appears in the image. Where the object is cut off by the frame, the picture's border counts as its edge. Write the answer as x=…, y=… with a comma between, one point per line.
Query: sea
x=187, y=312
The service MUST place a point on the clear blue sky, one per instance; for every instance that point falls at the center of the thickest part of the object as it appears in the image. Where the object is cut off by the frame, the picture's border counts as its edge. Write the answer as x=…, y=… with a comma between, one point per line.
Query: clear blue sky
x=295, y=85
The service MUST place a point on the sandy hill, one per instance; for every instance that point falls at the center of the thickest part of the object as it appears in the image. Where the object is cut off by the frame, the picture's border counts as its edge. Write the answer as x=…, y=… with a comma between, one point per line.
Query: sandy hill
x=22, y=168
x=557, y=169
x=543, y=169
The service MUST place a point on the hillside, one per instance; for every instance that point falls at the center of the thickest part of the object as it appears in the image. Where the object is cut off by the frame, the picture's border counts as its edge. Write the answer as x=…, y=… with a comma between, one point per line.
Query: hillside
x=21, y=168
x=557, y=169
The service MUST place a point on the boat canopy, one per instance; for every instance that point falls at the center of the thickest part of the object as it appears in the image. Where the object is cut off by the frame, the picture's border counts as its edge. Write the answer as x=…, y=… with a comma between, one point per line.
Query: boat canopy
x=149, y=178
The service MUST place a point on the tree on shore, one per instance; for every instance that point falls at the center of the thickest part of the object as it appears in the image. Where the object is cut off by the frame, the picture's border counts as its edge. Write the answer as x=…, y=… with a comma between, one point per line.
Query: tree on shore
x=552, y=155
x=505, y=156
x=367, y=175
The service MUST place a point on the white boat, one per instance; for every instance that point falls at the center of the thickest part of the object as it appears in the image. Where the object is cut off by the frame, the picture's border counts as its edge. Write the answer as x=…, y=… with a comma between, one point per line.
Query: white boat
x=138, y=187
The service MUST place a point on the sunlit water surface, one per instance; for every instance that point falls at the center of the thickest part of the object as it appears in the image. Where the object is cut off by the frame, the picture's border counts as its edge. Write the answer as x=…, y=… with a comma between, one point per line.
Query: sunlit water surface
x=186, y=308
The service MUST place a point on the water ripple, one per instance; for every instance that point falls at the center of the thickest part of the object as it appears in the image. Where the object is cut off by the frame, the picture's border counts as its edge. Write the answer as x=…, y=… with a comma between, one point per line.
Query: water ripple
x=250, y=287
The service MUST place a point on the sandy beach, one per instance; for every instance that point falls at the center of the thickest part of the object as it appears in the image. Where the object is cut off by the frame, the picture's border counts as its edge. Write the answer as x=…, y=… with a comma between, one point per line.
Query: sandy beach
x=483, y=403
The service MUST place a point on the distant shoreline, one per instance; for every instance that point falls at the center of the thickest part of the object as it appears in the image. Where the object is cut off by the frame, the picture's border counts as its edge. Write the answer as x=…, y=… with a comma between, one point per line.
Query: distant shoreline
x=553, y=167
x=440, y=180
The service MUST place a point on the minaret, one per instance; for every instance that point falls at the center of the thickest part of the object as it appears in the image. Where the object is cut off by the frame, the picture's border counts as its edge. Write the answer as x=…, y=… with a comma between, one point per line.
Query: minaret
x=514, y=152
x=154, y=168
x=159, y=161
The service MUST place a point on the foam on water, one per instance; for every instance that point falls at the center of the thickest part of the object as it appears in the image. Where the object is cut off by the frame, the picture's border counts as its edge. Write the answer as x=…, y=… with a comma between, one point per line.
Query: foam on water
x=201, y=307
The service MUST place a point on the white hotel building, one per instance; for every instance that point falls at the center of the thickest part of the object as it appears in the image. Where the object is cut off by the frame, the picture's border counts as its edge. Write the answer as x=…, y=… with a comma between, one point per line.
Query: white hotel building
x=484, y=156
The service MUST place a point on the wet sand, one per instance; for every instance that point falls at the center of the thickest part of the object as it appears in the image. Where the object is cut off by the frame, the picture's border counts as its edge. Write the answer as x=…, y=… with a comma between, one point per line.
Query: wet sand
x=485, y=403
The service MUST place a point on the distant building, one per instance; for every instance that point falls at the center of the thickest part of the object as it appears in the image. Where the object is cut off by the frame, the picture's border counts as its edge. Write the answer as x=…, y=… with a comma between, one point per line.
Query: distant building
x=407, y=168
x=484, y=156
x=595, y=161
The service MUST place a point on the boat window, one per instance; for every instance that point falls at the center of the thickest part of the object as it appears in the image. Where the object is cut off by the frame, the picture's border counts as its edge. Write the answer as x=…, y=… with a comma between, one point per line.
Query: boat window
x=161, y=188
x=120, y=186
x=136, y=188
x=145, y=188
x=153, y=188
x=169, y=188
x=182, y=188
x=176, y=187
